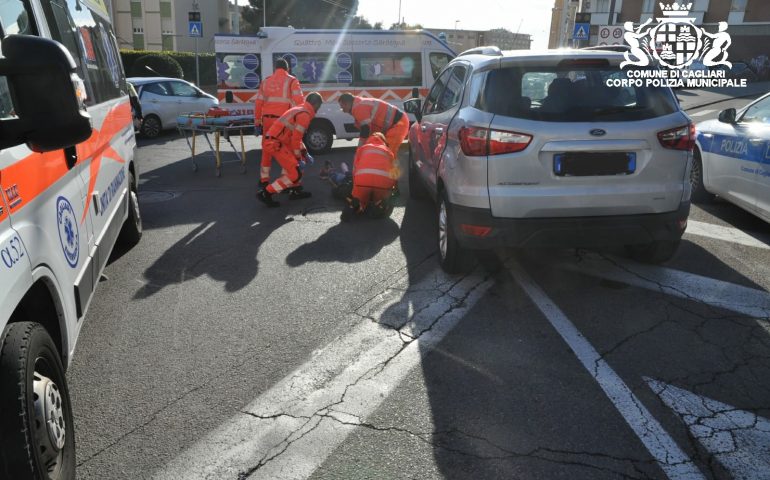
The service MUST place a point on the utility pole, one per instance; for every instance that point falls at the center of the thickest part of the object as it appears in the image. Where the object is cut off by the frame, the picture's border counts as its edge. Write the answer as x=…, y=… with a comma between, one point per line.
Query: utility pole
x=264, y=13
x=399, y=15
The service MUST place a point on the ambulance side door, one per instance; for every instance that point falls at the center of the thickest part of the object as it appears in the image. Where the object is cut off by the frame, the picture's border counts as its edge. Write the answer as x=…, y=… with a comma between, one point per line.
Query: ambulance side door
x=105, y=154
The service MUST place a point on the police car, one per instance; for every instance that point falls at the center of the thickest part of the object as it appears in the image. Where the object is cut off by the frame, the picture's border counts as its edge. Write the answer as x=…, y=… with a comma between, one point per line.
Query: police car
x=732, y=158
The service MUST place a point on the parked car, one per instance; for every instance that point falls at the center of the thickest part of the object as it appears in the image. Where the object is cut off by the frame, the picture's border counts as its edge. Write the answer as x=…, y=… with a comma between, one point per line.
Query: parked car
x=577, y=164
x=732, y=158
x=163, y=99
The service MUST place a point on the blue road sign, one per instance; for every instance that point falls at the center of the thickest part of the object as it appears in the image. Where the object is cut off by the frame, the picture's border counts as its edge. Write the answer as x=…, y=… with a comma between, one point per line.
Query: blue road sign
x=581, y=31
x=195, y=29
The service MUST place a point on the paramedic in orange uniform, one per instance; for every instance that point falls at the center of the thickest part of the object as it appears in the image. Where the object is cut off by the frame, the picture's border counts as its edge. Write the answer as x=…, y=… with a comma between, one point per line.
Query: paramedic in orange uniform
x=375, y=115
x=277, y=93
x=374, y=177
x=284, y=142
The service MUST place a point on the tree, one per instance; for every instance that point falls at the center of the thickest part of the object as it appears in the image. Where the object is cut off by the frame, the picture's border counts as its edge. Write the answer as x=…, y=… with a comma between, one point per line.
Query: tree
x=405, y=26
x=361, y=23
x=298, y=13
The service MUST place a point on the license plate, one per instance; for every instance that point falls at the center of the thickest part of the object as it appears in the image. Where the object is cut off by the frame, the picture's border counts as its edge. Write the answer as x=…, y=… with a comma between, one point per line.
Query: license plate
x=583, y=164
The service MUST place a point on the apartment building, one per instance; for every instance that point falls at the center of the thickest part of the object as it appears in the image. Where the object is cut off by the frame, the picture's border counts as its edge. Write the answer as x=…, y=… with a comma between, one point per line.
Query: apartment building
x=461, y=40
x=748, y=20
x=562, y=23
x=163, y=24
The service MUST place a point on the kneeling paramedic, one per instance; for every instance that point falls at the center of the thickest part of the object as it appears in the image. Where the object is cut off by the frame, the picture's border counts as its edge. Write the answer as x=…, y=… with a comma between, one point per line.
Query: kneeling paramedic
x=375, y=175
x=375, y=115
x=283, y=141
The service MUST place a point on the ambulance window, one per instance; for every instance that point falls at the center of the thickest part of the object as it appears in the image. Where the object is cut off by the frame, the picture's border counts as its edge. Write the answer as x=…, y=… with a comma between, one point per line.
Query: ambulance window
x=388, y=69
x=438, y=60
x=321, y=67
x=15, y=19
x=90, y=40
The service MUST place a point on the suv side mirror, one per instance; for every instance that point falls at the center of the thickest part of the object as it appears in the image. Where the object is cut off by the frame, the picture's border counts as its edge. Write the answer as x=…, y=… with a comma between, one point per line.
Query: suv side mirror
x=727, y=116
x=47, y=95
x=414, y=106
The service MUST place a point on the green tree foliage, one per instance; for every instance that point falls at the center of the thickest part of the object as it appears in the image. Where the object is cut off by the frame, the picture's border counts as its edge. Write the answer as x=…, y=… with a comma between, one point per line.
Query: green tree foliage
x=298, y=14
x=208, y=70
x=405, y=26
x=162, y=65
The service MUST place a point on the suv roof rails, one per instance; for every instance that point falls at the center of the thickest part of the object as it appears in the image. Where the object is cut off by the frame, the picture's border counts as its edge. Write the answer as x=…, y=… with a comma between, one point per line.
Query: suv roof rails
x=483, y=51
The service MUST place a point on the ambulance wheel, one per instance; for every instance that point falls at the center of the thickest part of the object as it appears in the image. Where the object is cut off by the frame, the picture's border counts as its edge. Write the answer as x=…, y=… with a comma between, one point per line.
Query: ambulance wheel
x=37, y=438
x=131, y=232
x=699, y=193
x=318, y=138
x=453, y=257
x=417, y=189
x=151, y=126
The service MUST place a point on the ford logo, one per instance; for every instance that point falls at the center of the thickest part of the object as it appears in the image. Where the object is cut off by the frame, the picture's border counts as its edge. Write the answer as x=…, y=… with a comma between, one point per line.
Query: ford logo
x=597, y=132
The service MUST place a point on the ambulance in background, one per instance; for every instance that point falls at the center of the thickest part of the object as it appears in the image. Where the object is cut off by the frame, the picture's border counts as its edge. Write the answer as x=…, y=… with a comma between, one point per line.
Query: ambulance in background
x=67, y=195
x=390, y=65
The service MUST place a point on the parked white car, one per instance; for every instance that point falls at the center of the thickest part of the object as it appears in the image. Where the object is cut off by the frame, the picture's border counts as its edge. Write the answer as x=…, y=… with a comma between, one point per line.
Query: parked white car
x=163, y=99
x=732, y=158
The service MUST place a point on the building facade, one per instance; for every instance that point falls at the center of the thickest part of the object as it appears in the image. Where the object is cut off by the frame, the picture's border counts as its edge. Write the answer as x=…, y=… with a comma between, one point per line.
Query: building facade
x=461, y=40
x=748, y=20
x=163, y=24
x=562, y=23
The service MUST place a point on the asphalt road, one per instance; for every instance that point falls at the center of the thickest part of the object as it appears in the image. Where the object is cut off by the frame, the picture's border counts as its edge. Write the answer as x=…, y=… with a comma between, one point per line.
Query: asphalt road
x=237, y=341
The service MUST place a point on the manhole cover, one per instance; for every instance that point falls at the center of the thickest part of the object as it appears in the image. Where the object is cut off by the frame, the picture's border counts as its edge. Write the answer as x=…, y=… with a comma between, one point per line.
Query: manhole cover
x=149, y=196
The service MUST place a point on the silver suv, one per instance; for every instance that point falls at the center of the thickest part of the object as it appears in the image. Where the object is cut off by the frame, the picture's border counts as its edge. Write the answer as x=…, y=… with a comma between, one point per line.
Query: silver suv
x=537, y=150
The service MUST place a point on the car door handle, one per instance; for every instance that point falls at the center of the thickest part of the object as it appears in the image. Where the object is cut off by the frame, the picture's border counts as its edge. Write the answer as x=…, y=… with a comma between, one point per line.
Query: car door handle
x=438, y=130
x=423, y=128
x=756, y=141
x=707, y=135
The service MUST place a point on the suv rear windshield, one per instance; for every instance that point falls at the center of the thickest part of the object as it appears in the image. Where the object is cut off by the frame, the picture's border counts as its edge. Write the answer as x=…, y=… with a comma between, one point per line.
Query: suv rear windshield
x=570, y=94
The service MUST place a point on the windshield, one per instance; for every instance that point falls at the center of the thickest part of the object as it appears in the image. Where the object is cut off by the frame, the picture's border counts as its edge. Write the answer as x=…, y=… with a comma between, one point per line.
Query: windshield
x=550, y=93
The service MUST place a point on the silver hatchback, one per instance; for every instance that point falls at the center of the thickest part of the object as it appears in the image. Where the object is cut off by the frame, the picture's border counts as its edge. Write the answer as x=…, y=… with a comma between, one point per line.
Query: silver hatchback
x=537, y=150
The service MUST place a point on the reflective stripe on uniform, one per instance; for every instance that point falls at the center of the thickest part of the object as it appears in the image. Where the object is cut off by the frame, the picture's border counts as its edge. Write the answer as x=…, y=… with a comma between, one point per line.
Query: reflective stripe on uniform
x=376, y=151
x=372, y=171
x=390, y=113
x=300, y=128
x=285, y=92
x=278, y=100
x=374, y=111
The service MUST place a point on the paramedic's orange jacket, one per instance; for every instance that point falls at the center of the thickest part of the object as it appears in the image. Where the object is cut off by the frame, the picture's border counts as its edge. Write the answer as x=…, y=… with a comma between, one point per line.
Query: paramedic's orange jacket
x=289, y=129
x=378, y=114
x=374, y=166
x=277, y=93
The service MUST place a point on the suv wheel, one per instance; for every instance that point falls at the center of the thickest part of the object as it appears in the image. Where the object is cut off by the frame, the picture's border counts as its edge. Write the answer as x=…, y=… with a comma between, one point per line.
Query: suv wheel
x=655, y=252
x=37, y=438
x=454, y=258
x=417, y=188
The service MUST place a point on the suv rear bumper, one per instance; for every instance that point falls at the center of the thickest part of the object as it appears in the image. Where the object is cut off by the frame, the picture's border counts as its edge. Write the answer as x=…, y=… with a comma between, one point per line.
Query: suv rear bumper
x=568, y=232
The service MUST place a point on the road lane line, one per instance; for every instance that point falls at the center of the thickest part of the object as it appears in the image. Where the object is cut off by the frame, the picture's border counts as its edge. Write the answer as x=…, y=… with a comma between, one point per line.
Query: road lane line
x=289, y=431
x=717, y=293
x=727, y=234
x=702, y=113
x=671, y=459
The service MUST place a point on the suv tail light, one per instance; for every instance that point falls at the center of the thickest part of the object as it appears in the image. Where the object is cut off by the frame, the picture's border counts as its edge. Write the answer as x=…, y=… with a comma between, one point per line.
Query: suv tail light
x=477, y=141
x=679, y=138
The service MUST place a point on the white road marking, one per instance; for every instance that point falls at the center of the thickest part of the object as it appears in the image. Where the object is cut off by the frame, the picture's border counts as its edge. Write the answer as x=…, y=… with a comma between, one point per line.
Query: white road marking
x=727, y=234
x=702, y=113
x=738, y=439
x=290, y=430
x=717, y=293
x=671, y=459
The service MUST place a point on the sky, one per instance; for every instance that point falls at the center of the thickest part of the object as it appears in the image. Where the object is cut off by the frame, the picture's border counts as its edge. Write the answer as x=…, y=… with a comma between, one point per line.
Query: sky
x=523, y=16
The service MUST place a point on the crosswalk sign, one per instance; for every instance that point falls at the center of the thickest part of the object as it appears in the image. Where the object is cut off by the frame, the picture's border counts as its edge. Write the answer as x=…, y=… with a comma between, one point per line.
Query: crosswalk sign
x=581, y=31
x=196, y=29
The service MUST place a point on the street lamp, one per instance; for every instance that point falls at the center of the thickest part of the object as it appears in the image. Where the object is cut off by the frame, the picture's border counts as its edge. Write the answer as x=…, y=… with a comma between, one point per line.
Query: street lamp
x=456, y=22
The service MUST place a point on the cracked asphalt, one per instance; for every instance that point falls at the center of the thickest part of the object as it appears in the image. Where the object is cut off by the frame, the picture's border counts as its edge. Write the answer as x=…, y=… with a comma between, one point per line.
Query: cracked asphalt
x=239, y=342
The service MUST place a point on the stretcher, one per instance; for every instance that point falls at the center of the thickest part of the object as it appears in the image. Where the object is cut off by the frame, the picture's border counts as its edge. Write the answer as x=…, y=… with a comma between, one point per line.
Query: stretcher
x=222, y=127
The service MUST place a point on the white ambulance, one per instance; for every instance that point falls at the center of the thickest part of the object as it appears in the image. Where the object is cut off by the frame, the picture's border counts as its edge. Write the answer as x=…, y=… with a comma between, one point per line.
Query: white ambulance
x=391, y=65
x=67, y=195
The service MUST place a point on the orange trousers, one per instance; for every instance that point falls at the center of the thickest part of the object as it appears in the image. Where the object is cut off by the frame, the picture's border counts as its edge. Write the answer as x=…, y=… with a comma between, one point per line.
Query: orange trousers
x=291, y=174
x=396, y=134
x=266, y=162
x=366, y=195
